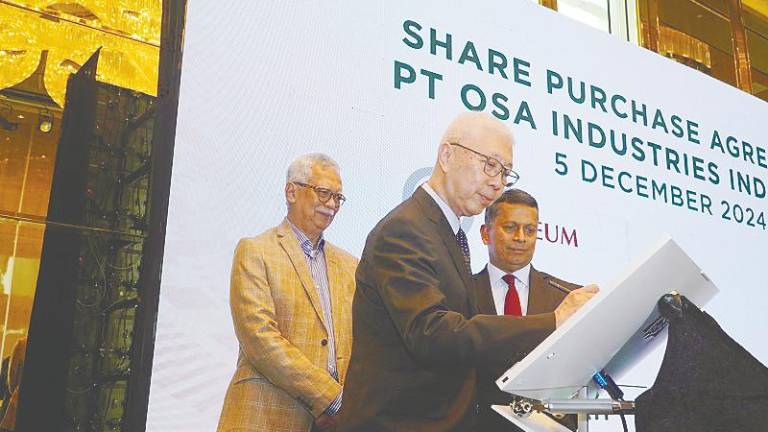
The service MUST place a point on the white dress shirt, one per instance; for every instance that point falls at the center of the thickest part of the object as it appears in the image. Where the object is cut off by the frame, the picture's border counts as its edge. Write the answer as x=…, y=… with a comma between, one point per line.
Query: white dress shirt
x=499, y=287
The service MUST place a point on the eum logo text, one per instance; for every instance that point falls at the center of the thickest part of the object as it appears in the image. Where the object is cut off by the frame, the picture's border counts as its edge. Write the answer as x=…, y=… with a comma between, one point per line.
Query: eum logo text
x=557, y=234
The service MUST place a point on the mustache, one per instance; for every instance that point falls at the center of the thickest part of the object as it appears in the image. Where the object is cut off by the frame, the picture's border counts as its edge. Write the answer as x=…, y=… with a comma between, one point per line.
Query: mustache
x=326, y=211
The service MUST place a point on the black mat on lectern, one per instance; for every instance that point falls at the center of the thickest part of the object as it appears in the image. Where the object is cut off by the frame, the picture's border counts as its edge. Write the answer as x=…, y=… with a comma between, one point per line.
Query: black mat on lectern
x=707, y=381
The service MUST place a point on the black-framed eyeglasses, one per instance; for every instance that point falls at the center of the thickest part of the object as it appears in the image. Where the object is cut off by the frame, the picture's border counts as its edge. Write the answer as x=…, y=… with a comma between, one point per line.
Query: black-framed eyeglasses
x=493, y=167
x=324, y=194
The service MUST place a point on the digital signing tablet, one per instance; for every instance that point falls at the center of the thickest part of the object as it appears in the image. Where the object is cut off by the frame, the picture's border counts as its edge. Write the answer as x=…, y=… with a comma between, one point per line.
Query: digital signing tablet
x=614, y=330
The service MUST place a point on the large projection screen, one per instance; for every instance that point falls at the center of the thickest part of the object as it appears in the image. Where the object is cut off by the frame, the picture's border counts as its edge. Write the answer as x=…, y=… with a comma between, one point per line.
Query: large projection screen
x=264, y=81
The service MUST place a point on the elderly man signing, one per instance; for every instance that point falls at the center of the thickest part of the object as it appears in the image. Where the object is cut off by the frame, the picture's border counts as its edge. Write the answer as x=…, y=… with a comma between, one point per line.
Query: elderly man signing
x=418, y=337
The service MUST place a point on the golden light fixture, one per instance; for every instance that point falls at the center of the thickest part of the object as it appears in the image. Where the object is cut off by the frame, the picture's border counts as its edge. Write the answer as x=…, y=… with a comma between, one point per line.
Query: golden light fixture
x=128, y=31
x=45, y=121
x=678, y=44
x=759, y=6
x=682, y=46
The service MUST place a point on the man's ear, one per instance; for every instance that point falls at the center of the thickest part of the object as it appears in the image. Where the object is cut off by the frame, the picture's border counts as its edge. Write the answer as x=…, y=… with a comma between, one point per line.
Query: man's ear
x=444, y=154
x=290, y=193
x=484, y=234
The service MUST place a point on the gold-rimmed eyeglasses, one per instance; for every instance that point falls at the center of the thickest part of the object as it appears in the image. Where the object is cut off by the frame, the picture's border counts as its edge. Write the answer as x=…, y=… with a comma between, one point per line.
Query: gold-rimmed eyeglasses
x=493, y=167
x=324, y=194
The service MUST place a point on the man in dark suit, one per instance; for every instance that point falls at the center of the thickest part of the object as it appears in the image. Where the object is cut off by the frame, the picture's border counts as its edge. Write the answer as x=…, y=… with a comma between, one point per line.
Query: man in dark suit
x=509, y=285
x=417, y=338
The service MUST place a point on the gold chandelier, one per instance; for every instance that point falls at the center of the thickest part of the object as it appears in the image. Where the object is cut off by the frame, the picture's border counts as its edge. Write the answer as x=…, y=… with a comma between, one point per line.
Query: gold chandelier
x=128, y=31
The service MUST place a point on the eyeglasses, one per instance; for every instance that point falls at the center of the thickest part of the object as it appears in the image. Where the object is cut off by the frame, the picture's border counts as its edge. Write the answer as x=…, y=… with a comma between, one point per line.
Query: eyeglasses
x=324, y=194
x=493, y=167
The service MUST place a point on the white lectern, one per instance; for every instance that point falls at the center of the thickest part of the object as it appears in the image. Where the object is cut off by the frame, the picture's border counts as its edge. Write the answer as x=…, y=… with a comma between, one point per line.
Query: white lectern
x=611, y=333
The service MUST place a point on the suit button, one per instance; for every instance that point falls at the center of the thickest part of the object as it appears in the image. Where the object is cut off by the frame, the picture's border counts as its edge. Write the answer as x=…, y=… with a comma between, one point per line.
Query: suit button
x=324, y=342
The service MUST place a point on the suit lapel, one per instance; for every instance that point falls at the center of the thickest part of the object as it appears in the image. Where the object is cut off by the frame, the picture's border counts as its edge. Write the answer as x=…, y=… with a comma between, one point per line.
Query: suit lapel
x=290, y=245
x=484, y=293
x=435, y=214
x=449, y=239
x=541, y=298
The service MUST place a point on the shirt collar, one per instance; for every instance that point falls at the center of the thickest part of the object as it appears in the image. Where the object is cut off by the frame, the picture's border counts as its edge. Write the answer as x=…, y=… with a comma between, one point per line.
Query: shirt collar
x=453, y=220
x=495, y=274
x=306, y=243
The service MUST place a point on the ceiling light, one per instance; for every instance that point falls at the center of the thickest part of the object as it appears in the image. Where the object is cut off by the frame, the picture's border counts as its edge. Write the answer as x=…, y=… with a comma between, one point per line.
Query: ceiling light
x=45, y=123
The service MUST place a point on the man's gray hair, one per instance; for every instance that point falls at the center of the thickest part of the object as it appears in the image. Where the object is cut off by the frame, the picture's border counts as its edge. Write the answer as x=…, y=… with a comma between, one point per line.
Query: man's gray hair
x=301, y=168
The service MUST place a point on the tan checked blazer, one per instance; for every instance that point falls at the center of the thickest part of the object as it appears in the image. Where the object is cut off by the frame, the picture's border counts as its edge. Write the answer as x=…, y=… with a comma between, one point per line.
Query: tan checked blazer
x=281, y=383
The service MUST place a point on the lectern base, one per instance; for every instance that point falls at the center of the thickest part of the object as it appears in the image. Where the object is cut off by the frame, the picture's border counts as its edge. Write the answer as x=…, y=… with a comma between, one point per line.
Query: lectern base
x=536, y=422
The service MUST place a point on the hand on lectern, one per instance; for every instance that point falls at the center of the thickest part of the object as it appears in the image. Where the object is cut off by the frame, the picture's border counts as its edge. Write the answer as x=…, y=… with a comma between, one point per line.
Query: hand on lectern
x=573, y=301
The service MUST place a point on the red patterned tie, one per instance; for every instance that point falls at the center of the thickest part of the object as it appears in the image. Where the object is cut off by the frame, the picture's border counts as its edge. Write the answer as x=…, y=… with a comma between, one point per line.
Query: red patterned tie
x=512, y=300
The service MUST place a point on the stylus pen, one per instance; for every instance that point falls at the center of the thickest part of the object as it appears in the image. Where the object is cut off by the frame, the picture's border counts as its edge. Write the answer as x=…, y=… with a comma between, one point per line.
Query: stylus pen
x=560, y=287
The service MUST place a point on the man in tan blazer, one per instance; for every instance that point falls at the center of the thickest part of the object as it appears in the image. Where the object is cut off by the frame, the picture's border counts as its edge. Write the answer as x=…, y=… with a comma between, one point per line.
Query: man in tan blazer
x=291, y=294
